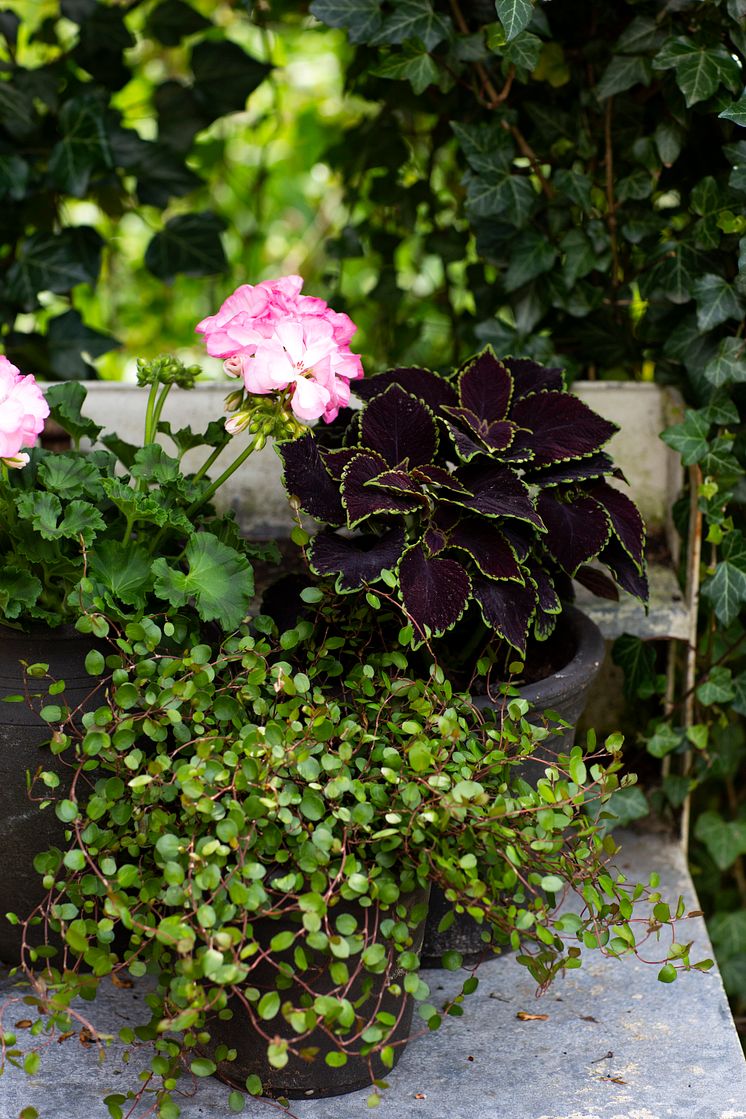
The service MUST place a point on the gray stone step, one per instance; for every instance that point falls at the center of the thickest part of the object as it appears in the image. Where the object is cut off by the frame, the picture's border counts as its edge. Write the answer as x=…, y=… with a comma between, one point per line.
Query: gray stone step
x=615, y=1044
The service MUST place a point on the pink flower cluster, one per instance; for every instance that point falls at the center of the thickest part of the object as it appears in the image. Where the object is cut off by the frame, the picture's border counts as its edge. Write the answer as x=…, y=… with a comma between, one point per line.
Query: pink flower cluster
x=276, y=338
x=23, y=410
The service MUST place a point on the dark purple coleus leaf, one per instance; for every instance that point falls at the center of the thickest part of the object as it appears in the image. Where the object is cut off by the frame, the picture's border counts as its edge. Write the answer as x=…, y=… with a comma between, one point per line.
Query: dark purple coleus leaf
x=398, y=426
x=548, y=604
x=488, y=548
x=564, y=473
x=486, y=387
x=597, y=583
x=518, y=539
x=559, y=427
x=362, y=500
x=507, y=608
x=466, y=446
x=528, y=376
x=625, y=570
x=577, y=529
x=429, y=387
x=356, y=561
x=497, y=435
x=435, y=591
x=438, y=476
x=434, y=539
x=336, y=461
x=306, y=478
x=626, y=521
x=498, y=492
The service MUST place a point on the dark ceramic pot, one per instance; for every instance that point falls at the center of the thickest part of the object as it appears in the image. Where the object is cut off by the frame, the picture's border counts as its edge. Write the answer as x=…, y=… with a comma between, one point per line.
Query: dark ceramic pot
x=25, y=831
x=566, y=693
x=312, y=1079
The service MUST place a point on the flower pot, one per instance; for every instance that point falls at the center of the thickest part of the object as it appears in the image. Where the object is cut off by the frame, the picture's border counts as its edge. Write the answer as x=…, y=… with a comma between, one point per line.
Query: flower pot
x=25, y=831
x=565, y=692
x=312, y=1078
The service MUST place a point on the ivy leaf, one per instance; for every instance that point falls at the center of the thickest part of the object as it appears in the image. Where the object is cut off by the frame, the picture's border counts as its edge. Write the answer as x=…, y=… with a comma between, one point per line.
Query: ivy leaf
x=665, y=740
x=84, y=146
x=532, y=255
x=636, y=658
x=717, y=301
x=361, y=19
x=415, y=19
x=72, y=346
x=172, y=20
x=725, y=840
x=524, y=51
x=622, y=73
x=729, y=364
x=514, y=15
x=218, y=578
x=689, y=438
x=505, y=194
x=726, y=589
x=413, y=63
x=54, y=262
x=736, y=112
x=225, y=75
x=189, y=244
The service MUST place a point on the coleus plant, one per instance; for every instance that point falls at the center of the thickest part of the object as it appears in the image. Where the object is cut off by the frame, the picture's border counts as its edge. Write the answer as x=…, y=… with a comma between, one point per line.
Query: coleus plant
x=486, y=488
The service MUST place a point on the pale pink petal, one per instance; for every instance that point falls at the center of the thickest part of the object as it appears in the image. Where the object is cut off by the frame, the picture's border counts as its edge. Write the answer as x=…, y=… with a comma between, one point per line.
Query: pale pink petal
x=290, y=336
x=309, y=399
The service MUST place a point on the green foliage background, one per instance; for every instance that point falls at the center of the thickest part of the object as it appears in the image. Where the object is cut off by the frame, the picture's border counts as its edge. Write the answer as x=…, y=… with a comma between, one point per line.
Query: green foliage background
x=563, y=180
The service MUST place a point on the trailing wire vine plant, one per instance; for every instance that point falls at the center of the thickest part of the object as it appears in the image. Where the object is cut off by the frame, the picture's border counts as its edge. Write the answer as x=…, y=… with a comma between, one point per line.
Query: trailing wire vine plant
x=251, y=808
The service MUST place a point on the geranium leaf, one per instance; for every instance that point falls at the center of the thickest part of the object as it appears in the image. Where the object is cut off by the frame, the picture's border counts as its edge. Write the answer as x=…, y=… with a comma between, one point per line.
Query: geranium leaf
x=82, y=519
x=435, y=591
x=486, y=387
x=488, y=548
x=123, y=572
x=362, y=500
x=507, y=609
x=357, y=561
x=428, y=387
x=43, y=510
x=18, y=591
x=400, y=427
x=218, y=578
x=626, y=522
x=306, y=478
x=65, y=401
x=560, y=427
x=577, y=529
x=69, y=475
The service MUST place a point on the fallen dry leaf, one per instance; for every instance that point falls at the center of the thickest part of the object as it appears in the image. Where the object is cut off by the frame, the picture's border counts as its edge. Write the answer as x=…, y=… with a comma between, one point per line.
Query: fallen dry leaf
x=614, y=1079
x=119, y=982
x=588, y=1018
x=24, y=1024
x=524, y=1016
x=420, y=1096
x=65, y=1036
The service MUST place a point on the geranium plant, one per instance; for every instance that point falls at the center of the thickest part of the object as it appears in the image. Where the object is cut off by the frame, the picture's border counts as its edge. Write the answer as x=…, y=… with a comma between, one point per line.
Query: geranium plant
x=486, y=488
x=116, y=531
x=260, y=838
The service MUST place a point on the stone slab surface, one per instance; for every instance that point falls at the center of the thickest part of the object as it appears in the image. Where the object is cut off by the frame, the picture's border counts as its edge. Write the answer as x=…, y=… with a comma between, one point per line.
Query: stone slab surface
x=667, y=615
x=616, y=1044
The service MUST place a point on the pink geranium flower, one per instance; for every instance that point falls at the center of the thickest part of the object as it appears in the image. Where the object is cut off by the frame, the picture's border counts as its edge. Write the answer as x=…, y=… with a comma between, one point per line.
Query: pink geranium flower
x=278, y=339
x=23, y=410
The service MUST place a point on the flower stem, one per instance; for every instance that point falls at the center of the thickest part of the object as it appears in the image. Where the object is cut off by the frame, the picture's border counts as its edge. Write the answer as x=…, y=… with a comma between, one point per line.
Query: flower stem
x=212, y=457
x=158, y=409
x=223, y=478
x=149, y=413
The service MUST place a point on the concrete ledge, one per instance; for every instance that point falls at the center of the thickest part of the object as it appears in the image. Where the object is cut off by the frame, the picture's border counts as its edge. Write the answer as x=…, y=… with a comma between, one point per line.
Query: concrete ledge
x=616, y=1044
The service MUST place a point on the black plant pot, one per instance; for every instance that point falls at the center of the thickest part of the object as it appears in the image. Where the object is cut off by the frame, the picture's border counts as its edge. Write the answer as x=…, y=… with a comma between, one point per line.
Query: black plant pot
x=301, y=1078
x=565, y=692
x=25, y=831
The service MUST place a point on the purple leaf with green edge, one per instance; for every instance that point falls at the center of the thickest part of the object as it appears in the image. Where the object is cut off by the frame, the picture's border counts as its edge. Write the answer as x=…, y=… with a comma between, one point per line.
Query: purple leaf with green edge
x=564, y=473
x=469, y=418
x=306, y=478
x=499, y=435
x=438, y=476
x=486, y=387
x=466, y=448
x=625, y=571
x=498, y=492
x=399, y=482
x=434, y=540
x=361, y=500
x=507, y=608
x=355, y=561
x=488, y=548
x=430, y=387
x=529, y=377
x=435, y=591
x=577, y=529
x=518, y=540
x=559, y=427
x=597, y=583
x=400, y=427
x=336, y=461
x=548, y=606
x=626, y=521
